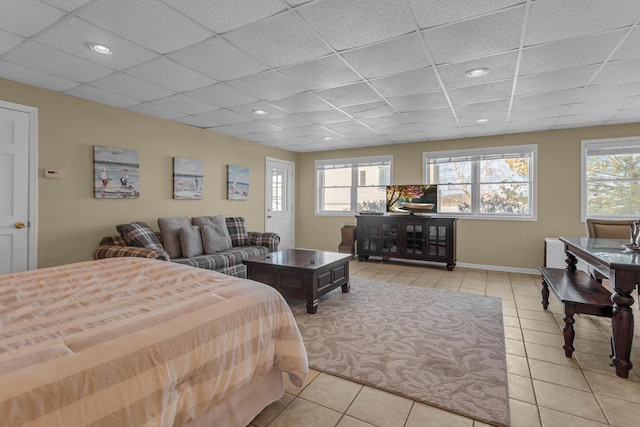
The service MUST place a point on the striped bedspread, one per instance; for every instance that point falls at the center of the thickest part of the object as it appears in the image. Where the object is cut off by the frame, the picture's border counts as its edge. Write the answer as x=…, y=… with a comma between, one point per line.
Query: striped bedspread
x=135, y=342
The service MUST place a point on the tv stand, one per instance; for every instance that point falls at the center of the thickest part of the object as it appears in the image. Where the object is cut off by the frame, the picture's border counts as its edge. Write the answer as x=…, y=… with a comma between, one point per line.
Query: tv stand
x=415, y=237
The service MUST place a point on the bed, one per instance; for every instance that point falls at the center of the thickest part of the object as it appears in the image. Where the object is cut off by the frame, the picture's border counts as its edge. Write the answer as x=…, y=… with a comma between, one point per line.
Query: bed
x=141, y=342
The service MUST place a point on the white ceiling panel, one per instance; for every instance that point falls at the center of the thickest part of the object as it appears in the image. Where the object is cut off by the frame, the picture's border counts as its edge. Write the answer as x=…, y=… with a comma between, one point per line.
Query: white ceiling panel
x=205, y=57
x=390, y=57
x=348, y=24
x=337, y=68
x=126, y=85
x=225, y=15
x=283, y=39
x=27, y=17
x=552, y=20
x=150, y=23
x=222, y=95
x=478, y=37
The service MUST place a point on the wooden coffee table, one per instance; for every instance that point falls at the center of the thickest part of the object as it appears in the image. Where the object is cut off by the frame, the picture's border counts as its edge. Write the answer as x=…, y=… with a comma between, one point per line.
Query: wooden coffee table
x=301, y=273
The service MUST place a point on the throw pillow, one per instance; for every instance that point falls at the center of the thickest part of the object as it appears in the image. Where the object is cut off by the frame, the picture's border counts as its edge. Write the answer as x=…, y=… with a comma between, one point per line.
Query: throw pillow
x=216, y=221
x=215, y=239
x=169, y=228
x=190, y=241
x=238, y=231
x=139, y=234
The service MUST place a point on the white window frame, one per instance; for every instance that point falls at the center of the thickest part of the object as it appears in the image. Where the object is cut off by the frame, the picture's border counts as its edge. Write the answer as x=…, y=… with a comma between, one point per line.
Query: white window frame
x=355, y=162
x=594, y=144
x=476, y=154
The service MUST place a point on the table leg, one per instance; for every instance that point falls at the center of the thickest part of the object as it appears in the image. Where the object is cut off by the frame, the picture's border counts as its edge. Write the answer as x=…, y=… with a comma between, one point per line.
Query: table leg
x=312, y=306
x=571, y=261
x=622, y=321
x=346, y=287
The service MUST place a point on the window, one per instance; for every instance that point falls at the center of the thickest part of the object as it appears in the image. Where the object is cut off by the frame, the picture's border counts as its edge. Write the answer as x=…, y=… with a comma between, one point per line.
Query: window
x=279, y=202
x=498, y=182
x=348, y=186
x=611, y=178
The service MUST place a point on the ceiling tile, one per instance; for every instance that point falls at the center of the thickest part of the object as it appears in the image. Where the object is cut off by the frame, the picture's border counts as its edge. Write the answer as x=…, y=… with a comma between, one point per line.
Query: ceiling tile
x=348, y=126
x=73, y=36
x=225, y=15
x=312, y=130
x=420, y=102
x=528, y=124
x=570, y=53
x=38, y=57
x=380, y=122
x=475, y=38
x=430, y=13
x=436, y=115
x=149, y=23
x=222, y=95
x=324, y=116
x=154, y=111
x=68, y=5
x=222, y=117
x=126, y=85
x=247, y=110
x=593, y=119
x=538, y=113
x=479, y=93
x=283, y=39
x=27, y=17
x=630, y=48
x=390, y=57
x=618, y=72
x=348, y=24
x=369, y=109
x=254, y=126
x=321, y=73
x=609, y=92
x=396, y=129
x=102, y=96
x=21, y=74
x=171, y=75
x=226, y=130
x=267, y=85
x=194, y=121
x=545, y=99
x=301, y=103
x=482, y=108
x=357, y=93
x=501, y=66
x=551, y=20
x=184, y=104
x=599, y=107
x=555, y=80
x=8, y=41
x=411, y=82
x=205, y=57
x=289, y=121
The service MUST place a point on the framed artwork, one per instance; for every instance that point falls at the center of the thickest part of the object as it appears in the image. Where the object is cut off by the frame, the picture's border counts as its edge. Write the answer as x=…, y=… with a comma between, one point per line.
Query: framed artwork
x=116, y=173
x=188, y=177
x=237, y=182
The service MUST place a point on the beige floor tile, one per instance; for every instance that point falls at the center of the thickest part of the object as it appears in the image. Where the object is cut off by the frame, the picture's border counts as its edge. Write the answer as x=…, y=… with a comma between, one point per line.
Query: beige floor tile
x=270, y=412
x=599, y=348
x=509, y=311
x=518, y=365
x=424, y=415
x=551, y=418
x=540, y=326
x=523, y=414
x=380, y=408
x=570, y=400
x=558, y=374
x=544, y=338
x=546, y=316
x=515, y=347
x=620, y=413
x=330, y=391
x=301, y=412
x=508, y=303
x=592, y=334
x=521, y=388
x=614, y=386
x=511, y=321
x=596, y=363
x=513, y=333
x=292, y=389
x=348, y=421
x=549, y=354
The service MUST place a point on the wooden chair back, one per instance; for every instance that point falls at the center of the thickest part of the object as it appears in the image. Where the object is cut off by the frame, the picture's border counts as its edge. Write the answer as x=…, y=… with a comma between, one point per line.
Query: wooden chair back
x=609, y=229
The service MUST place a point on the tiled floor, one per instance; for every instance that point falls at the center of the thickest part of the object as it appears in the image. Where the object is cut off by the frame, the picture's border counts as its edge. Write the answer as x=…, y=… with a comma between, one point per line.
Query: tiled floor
x=545, y=388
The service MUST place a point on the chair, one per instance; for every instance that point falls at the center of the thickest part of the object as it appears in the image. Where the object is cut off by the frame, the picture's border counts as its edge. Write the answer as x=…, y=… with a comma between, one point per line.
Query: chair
x=608, y=229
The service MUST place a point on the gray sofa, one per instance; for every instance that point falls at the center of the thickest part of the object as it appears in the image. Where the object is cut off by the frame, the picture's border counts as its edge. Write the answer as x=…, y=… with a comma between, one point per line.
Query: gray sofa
x=225, y=243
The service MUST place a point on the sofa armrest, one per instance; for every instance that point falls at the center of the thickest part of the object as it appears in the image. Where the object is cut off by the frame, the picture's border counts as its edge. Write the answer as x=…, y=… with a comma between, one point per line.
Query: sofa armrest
x=270, y=240
x=114, y=251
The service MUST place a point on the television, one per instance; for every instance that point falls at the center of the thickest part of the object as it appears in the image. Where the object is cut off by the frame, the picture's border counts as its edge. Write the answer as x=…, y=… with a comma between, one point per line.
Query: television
x=412, y=199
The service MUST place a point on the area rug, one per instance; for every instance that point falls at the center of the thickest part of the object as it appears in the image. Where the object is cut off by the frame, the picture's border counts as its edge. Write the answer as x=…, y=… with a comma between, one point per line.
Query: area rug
x=442, y=348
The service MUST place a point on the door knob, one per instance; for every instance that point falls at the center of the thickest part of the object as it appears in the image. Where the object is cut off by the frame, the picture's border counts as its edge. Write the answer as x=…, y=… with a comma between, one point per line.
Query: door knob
x=269, y=216
x=19, y=224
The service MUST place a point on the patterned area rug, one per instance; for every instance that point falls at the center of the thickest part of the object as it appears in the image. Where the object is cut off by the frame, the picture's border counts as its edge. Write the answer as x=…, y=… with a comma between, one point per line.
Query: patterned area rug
x=443, y=348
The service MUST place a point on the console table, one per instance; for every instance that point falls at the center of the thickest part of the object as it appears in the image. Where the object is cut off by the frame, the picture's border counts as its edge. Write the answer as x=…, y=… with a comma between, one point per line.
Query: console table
x=414, y=237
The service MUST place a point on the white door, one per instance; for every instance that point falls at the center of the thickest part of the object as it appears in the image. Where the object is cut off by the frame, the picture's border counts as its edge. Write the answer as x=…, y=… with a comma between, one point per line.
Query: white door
x=15, y=186
x=279, y=200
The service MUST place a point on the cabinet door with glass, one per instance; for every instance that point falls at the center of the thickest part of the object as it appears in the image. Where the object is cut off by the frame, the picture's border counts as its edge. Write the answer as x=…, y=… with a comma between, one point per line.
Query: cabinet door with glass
x=368, y=240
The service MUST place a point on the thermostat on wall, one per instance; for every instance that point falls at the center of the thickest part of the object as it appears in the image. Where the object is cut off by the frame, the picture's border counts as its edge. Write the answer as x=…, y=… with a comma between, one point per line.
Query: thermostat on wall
x=53, y=173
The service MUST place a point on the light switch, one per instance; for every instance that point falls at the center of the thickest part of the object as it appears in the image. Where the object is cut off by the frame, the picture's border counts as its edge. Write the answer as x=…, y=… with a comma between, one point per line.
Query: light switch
x=53, y=173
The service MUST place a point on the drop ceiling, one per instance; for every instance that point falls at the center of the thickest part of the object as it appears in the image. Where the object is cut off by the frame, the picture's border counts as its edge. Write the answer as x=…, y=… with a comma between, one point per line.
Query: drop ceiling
x=332, y=74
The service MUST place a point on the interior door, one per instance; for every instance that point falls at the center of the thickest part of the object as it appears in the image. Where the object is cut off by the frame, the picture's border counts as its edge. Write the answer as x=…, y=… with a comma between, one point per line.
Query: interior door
x=14, y=190
x=279, y=212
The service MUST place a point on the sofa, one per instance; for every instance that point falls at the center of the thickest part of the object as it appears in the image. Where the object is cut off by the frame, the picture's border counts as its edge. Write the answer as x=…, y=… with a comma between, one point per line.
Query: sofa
x=212, y=242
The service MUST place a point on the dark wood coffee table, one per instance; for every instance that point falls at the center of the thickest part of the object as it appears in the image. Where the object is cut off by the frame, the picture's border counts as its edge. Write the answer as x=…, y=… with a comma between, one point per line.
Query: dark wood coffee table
x=301, y=273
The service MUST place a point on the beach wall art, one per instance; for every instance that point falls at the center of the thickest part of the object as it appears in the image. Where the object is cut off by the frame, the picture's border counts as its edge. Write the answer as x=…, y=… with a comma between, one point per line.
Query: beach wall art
x=116, y=173
x=188, y=178
x=237, y=182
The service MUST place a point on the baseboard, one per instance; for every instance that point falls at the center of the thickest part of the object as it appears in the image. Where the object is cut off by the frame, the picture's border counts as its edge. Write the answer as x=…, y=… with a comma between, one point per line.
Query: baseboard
x=499, y=268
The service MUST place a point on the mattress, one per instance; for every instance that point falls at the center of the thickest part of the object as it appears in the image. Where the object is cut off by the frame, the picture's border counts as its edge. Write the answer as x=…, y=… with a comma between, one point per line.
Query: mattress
x=133, y=342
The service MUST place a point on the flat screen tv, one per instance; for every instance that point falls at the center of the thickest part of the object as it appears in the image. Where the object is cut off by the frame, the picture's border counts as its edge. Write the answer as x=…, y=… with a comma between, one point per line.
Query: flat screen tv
x=412, y=199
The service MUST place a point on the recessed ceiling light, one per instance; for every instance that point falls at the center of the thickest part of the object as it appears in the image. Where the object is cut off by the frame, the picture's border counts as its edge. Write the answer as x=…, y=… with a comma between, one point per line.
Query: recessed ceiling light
x=326, y=138
x=258, y=111
x=476, y=72
x=100, y=48
x=482, y=120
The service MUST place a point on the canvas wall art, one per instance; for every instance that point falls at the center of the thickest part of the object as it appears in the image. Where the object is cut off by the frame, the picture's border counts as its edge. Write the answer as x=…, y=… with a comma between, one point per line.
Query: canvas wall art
x=116, y=173
x=237, y=182
x=188, y=178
